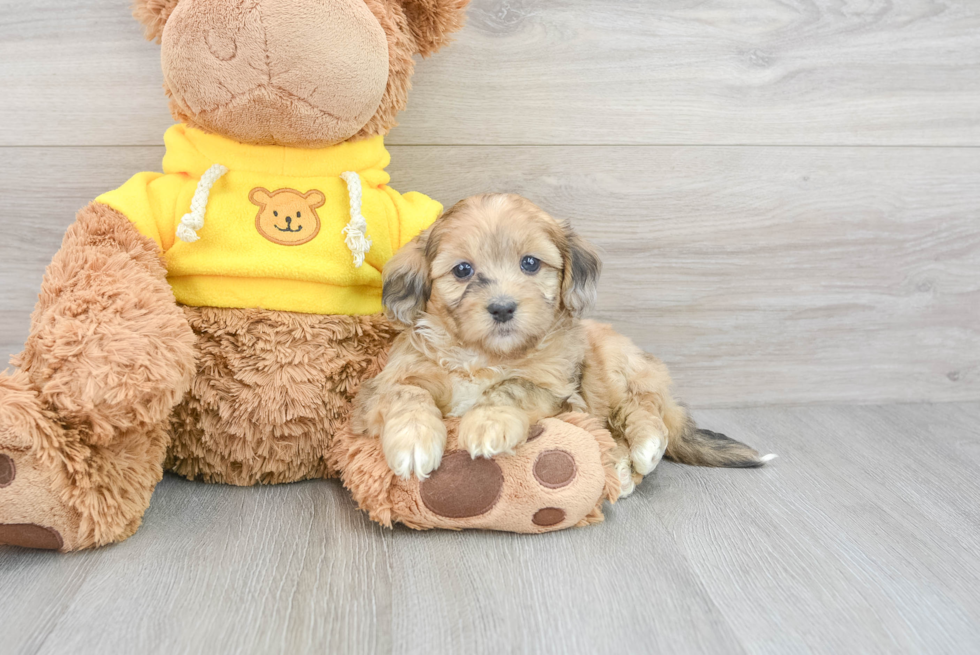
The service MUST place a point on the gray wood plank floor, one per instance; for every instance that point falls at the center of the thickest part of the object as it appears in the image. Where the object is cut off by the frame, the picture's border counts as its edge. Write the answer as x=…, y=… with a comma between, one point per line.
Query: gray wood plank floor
x=863, y=536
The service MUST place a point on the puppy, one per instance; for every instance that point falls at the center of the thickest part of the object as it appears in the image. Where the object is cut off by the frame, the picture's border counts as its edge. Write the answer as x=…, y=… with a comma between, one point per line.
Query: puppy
x=492, y=295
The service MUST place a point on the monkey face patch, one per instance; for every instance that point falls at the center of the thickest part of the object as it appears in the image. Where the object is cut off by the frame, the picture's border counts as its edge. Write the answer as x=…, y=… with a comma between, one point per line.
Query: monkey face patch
x=286, y=216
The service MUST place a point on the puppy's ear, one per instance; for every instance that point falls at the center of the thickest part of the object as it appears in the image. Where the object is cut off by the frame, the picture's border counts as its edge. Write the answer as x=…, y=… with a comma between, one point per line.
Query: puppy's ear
x=406, y=284
x=153, y=14
x=580, y=278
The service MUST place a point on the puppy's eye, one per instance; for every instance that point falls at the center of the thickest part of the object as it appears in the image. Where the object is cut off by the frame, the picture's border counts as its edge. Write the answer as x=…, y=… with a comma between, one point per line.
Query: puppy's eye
x=298, y=215
x=463, y=270
x=275, y=213
x=530, y=265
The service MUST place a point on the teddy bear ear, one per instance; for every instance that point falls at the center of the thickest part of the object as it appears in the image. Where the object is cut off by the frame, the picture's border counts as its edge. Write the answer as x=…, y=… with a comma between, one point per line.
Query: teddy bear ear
x=259, y=196
x=153, y=14
x=315, y=198
x=432, y=22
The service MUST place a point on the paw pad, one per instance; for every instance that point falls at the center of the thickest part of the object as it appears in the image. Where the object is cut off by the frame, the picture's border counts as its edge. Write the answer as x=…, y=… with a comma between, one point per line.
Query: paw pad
x=548, y=516
x=28, y=535
x=462, y=487
x=7, y=471
x=554, y=469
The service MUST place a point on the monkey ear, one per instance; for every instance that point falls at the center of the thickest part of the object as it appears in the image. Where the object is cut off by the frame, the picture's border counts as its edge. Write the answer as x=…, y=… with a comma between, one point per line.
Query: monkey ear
x=432, y=21
x=580, y=277
x=406, y=283
x=153, y=14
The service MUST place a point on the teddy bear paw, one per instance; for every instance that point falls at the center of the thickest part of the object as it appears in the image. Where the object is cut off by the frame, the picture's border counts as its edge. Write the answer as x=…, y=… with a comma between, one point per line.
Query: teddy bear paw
x=557, y=479
x=31, y=513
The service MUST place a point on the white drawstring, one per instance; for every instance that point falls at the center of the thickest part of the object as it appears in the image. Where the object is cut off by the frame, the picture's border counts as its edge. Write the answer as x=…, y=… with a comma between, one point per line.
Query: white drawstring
x=355, y=232
x=193, y=220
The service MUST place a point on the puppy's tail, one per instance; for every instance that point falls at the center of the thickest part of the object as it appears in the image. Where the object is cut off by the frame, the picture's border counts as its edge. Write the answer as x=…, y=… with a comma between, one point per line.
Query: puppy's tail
x=689, y=444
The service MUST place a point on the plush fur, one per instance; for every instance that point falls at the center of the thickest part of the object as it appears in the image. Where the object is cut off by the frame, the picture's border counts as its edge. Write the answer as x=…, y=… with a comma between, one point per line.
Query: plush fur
x=493, y=292
x=153, y=15
x=401, y=66
x=271, y=390
x=432, y=22
x=108, y=348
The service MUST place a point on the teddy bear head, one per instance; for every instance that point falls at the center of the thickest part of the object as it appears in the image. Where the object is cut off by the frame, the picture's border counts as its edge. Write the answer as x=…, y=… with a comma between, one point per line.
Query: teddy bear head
x=303, y=73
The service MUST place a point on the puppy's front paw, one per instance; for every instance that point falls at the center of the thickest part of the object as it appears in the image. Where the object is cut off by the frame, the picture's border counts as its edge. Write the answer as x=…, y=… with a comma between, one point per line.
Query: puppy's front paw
x=489, y=431
x=413, y=443
x=624, y=469
x=647, y=452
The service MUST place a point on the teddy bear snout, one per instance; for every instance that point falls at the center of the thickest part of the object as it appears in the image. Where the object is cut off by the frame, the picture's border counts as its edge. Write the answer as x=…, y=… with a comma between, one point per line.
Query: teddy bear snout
x=290, y=72
x=289, y=226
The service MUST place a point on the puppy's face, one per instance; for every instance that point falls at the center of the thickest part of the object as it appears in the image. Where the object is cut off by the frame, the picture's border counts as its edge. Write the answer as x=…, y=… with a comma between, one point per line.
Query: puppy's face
x=496, y=270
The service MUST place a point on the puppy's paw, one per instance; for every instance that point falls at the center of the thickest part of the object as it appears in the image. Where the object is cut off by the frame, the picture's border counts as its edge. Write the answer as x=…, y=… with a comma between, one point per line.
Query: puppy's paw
x=489, y=431
x=646, y=453
x=413, y=443
x=625, y=471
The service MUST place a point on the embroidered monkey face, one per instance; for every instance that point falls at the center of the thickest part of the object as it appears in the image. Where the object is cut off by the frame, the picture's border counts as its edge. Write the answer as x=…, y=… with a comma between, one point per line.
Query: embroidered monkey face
x=286, y=216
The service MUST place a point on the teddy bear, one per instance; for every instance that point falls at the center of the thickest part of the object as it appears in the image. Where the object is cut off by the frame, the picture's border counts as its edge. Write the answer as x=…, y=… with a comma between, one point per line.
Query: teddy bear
x=217, y=319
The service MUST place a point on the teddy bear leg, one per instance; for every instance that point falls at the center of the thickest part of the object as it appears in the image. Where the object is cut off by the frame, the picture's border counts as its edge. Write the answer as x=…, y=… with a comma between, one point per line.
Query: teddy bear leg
x=83, y=421
x=559, y=478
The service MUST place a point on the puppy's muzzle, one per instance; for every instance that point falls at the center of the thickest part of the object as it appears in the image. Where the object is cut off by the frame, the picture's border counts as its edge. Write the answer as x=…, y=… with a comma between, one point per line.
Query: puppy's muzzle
x=502, y=310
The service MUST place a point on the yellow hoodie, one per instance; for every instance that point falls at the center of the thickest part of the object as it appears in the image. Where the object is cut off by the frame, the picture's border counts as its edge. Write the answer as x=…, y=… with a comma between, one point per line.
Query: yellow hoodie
x=272, y=227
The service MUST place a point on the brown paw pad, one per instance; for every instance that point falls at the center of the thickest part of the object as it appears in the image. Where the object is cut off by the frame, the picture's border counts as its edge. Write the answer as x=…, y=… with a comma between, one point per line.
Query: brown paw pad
x=7, y=471
x=28, y=535
x=554, y=469
x=462, y=487
x=548, y=516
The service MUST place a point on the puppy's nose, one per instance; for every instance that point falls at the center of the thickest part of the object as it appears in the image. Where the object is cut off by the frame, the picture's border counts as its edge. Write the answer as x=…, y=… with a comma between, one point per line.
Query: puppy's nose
x=502, y=310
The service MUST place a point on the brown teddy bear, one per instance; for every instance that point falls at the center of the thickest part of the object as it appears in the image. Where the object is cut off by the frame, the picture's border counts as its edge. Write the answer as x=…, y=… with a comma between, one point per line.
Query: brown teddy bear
x=217, y=319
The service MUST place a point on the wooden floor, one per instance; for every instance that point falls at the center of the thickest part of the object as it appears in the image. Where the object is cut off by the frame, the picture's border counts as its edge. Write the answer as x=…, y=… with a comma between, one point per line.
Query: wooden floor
x=863, y=537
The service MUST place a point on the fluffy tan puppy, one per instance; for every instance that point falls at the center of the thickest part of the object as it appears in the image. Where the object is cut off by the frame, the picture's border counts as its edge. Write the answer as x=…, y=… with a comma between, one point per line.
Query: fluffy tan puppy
x=491, y=296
